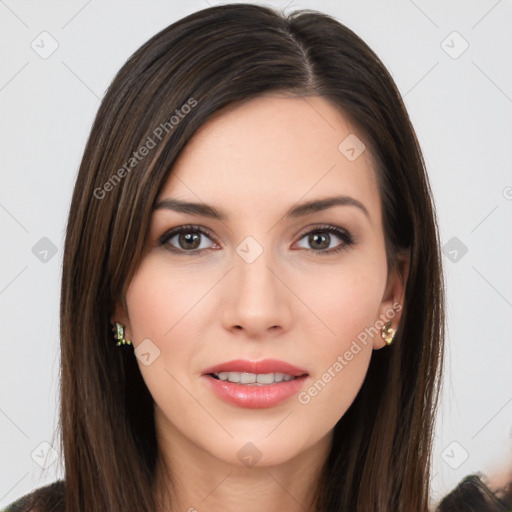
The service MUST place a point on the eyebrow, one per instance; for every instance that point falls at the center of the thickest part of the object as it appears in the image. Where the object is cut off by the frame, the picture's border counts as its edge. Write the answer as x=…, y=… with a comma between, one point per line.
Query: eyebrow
x=299, y=210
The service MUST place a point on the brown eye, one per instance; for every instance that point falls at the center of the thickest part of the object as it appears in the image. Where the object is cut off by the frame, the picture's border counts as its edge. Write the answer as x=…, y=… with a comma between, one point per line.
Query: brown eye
x=320, y=239
x=186, y=239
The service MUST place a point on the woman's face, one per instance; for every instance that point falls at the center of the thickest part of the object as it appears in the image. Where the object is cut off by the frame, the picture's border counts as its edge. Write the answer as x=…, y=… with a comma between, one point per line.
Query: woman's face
x=261, y=285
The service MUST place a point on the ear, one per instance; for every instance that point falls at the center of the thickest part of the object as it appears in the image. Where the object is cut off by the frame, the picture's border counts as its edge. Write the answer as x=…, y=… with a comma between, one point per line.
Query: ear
x=120, y=315
x=392, y=302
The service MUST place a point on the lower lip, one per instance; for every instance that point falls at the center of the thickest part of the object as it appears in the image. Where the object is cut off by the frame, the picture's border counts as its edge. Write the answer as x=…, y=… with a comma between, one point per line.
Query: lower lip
x=253, y=396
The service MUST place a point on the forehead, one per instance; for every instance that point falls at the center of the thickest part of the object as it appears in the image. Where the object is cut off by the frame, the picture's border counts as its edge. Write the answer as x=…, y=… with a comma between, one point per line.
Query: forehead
x=270, y=152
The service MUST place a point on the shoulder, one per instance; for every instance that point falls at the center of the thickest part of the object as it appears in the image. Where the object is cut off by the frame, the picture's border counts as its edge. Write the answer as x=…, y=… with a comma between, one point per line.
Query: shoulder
x=49, y=498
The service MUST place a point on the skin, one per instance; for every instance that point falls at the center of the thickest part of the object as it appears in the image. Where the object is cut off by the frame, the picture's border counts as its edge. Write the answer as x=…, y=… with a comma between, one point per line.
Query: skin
x=294, y=302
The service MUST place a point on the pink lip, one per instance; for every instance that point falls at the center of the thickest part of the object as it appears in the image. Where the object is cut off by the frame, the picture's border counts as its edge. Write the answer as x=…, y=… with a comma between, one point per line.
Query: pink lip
x=254, y=396
x=264, y=366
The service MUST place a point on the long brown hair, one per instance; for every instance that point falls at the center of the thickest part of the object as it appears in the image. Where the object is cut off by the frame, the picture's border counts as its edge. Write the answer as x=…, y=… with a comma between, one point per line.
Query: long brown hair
x=209, y=60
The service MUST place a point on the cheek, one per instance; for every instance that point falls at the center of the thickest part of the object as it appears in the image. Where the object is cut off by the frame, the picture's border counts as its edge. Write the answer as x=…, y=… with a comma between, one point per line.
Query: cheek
x=346, y=298
x=160, y=298
x=347, y=302
x=163, y=306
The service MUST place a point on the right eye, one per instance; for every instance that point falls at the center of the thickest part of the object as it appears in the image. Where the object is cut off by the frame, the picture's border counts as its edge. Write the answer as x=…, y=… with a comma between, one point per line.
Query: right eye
x=185, y=239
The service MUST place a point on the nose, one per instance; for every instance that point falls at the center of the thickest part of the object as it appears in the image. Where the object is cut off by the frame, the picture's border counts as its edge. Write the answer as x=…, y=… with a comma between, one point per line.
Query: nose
x=258, y=300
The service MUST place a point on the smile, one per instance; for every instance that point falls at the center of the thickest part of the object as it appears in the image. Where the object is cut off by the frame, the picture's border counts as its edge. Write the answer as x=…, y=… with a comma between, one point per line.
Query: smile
x=261, y=379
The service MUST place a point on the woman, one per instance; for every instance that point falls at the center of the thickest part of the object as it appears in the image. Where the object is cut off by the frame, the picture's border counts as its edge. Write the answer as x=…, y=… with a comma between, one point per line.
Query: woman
x=252, y=303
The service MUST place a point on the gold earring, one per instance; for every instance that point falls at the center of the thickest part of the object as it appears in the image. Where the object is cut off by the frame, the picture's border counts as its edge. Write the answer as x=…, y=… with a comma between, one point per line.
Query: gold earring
x=387, y=333
x=119, y=334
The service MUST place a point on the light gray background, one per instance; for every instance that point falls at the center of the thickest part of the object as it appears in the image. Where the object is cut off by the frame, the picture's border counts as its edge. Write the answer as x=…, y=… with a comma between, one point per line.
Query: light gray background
x=460, y=108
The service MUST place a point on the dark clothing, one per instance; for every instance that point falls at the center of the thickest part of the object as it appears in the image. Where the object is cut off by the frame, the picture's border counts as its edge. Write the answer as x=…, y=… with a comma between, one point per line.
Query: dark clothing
x=49, y=498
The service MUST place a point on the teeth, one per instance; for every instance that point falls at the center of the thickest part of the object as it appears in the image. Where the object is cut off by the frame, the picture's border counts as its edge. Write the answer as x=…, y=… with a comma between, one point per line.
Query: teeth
x=253, y=378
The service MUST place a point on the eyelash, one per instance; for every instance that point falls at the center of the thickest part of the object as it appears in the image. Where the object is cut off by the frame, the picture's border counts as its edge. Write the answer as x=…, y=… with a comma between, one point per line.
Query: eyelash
x=344, y=235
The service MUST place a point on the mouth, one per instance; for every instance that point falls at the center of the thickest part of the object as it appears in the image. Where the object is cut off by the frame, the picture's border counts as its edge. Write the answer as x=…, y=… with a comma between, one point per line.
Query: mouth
x=243, y=371
x=255, y=384
x=258, y=379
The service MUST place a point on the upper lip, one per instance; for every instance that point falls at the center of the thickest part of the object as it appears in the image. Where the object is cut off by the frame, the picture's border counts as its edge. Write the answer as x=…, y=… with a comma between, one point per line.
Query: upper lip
x=257, y=367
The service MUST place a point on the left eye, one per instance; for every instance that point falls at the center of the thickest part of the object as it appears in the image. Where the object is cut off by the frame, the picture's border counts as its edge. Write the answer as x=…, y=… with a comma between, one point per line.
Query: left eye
x=320, y=239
